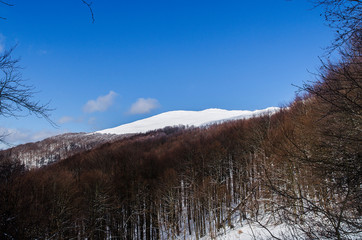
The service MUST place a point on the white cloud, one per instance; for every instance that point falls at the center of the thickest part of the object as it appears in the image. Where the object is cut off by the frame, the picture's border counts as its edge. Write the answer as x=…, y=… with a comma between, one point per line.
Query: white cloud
x=92, y=121
x=69, y=119
x=19, y=136
x=40, y=135
x=101, y=104
x=42, y=52
x=2, y=43
x=144, y=106
x=65, y=119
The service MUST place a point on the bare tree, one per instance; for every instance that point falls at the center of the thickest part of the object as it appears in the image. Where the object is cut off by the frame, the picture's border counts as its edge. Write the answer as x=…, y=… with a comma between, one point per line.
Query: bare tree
x=6, y=4
x=87, y=3
x=326, y=139
x=16, y=97
x=345, y=17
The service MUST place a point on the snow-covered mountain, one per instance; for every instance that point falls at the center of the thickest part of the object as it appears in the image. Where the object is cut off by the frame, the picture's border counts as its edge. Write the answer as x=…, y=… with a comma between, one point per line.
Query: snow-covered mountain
x=186, y=118
x=56, y=148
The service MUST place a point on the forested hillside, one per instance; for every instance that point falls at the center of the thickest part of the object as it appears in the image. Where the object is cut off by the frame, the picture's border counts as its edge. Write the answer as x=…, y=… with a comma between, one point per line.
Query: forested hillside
x=300, y=166
x=50, y=150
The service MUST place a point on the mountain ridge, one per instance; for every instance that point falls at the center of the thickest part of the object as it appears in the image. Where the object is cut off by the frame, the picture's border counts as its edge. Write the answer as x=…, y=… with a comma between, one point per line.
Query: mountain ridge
x=59, y=147
x=185, y=118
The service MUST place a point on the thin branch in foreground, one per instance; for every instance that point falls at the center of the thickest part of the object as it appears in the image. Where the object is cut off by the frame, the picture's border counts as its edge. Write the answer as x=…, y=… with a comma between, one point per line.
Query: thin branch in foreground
x=89, y=5
x=7, y=4
x=15, y=95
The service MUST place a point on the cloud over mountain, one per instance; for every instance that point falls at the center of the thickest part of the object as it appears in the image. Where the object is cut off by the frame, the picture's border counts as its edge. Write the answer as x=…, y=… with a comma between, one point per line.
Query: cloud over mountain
x=143, y=105
x=101, y=104
x=15, y=136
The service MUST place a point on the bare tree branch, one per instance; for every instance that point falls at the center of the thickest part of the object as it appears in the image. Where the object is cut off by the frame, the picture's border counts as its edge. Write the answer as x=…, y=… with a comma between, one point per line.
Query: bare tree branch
x=344, y=16
x=6, y=3
x=89, y=5
x=15, y=95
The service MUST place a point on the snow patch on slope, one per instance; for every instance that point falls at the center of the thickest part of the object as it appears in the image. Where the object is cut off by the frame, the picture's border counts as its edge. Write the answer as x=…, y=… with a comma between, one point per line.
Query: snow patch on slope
x=186, y=118
x=252, y=232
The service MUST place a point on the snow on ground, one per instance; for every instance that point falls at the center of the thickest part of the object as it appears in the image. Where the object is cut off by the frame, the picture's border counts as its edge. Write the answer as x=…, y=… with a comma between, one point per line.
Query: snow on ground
x=255, y=231
x=186, y=118
x=251, y=231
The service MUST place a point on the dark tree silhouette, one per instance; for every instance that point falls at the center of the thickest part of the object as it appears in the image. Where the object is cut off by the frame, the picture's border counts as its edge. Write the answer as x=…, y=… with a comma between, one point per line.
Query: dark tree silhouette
x=16, y=97
x=345, y=17
x=87, y=3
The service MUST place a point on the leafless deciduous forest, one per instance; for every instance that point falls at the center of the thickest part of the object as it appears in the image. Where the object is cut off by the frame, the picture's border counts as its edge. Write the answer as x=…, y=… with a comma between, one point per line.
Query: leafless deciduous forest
x=301, y=166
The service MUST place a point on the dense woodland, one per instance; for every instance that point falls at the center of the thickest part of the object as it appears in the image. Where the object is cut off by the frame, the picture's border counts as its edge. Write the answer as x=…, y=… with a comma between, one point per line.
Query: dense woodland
x=56, y=148
x=300, y=166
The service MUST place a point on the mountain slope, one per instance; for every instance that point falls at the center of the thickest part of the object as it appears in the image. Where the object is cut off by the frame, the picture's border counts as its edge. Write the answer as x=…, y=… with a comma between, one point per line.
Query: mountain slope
x=53, y=149
x=185, y=118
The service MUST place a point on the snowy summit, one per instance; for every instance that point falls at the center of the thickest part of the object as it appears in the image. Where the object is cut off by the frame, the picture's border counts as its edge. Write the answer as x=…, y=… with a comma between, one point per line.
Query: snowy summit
x=186, y=118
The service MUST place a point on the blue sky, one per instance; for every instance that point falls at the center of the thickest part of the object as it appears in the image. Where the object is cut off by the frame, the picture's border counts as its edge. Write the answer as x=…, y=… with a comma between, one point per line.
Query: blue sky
x=141, y=58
